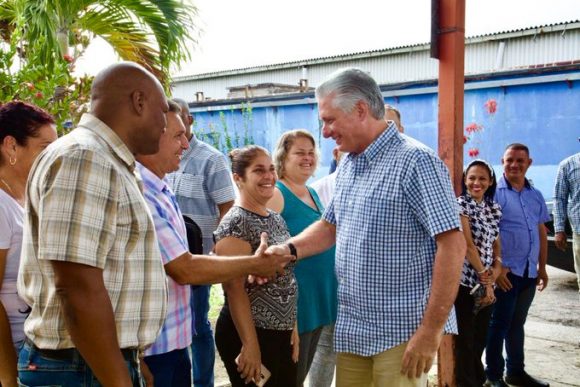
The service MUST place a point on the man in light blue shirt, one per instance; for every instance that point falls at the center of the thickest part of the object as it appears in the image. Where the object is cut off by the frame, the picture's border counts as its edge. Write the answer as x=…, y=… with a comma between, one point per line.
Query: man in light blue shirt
x=524, y=246
x=205, y=192
x=567, y=205
x=399, y=250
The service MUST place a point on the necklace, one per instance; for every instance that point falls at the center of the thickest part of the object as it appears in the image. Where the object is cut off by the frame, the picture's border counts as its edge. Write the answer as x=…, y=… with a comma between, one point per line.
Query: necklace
x=7, y=186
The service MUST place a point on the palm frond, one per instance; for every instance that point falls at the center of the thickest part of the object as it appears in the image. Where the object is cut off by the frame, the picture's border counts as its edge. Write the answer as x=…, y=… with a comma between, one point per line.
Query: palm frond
x=154, y=33
x=171, y=22
x=125, y=35
x=7, y=19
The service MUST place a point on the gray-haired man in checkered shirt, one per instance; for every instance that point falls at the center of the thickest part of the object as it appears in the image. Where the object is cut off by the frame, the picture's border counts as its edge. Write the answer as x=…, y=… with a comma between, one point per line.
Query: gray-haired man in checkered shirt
x=399, y=251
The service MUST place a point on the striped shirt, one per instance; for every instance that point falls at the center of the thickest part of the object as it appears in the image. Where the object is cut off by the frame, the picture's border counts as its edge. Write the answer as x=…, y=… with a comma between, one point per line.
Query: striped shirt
x=389, y=203
x=84, y=205
x=171, y=235
x=202, y=182
x=567, y=194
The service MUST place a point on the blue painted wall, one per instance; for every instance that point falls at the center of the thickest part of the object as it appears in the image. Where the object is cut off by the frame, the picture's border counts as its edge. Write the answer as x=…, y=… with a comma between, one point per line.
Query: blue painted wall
x=544, y=116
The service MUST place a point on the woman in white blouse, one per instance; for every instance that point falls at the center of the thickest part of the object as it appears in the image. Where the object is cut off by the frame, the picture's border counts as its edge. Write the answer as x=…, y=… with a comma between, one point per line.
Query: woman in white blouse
x=25, y=130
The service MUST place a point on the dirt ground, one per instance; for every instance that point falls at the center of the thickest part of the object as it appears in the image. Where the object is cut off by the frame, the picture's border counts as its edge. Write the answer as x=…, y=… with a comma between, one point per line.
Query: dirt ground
x=552, y=333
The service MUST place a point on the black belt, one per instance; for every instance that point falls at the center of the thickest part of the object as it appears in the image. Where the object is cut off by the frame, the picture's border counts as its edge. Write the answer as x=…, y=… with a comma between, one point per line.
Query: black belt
x=69, y=354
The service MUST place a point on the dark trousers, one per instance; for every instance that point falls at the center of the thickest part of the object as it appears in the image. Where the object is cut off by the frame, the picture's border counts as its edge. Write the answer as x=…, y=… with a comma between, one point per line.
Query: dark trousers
x=507, y=324
x=470, y=342
x=202, y=345
x=275, y=349
x=171, y=368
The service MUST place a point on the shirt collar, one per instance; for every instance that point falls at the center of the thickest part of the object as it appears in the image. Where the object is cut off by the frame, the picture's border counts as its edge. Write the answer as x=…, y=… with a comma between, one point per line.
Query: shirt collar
x=380, y=143
x=151, y=180
x=504, y=183
x=471, y=199
x=192, y=143
x=119, y=148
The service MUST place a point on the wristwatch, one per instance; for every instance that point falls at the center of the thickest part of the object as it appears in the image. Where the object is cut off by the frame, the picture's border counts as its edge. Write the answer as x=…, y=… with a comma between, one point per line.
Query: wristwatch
x=292, y=249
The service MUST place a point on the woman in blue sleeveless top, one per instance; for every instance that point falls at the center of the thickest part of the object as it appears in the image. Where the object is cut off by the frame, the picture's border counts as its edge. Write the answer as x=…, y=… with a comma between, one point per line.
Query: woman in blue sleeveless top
x=295, y=159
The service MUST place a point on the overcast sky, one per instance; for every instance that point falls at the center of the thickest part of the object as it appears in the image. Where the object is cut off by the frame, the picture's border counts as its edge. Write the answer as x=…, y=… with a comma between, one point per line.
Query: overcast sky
x=237, y=34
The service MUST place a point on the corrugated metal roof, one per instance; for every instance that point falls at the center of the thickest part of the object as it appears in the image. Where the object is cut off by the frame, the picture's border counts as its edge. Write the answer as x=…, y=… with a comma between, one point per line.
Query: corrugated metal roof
x=573, y=24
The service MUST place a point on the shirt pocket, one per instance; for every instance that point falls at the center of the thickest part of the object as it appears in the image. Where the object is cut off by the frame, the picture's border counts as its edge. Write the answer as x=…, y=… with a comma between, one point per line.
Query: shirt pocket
x=189, y=185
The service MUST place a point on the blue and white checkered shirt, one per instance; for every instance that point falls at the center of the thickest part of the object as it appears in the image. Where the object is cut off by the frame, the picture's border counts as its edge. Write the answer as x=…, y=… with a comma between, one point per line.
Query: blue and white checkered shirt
x=567, y=194
x=390, y=202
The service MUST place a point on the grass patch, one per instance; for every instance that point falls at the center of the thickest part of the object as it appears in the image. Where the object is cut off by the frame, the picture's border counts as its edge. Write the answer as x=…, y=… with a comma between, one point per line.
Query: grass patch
x=216, y=301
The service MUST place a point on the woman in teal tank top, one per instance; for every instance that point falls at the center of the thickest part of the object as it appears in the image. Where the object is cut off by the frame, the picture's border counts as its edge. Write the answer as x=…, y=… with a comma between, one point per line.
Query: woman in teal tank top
x=295, y=159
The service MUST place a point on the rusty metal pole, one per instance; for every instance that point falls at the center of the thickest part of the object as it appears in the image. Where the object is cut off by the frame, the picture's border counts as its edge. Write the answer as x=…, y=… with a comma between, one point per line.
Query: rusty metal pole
x=451, y=86
x=451, y=41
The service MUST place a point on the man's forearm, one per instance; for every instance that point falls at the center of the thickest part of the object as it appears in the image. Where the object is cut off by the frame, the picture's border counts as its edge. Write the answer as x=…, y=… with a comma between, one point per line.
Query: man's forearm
x=204, y=270
x=90, y=320
x=316, y=238
x=561, y=192
x=543, y=258
x=224, y=208
x=445, y=283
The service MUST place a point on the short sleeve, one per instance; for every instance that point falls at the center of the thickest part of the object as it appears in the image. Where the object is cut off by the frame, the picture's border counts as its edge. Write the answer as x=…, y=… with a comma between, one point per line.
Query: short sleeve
x=328, y=214
x=430, y=195
x=77, y=209
x=5, y=227
x=544, y=215
x=463, y=206
x=230, y=226
x=218, y=181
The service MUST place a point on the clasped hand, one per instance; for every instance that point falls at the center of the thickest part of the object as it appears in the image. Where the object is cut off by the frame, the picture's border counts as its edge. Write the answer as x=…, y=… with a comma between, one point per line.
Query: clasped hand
x=272, y=260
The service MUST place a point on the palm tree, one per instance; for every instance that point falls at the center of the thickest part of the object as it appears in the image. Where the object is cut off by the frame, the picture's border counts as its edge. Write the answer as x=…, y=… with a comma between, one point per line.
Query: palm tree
x=154, y=33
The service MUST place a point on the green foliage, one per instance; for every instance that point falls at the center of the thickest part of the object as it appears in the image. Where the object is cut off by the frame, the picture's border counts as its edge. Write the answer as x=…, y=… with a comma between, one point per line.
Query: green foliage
x=64, y=96
x=40, y=41
x=216, y=302
x=248, y=120
x=154, y=33
x=214, y=137
x=227, y=137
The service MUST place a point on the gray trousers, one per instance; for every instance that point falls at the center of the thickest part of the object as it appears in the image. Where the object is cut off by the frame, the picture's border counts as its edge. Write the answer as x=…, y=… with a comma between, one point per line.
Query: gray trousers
x=324, y=362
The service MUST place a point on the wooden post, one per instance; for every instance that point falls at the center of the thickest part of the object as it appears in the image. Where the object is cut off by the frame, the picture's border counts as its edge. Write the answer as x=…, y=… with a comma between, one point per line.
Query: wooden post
x=451, y=51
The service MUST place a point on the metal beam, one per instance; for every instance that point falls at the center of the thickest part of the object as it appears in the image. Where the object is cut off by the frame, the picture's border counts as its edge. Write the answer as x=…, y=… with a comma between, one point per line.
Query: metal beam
x=450, y=124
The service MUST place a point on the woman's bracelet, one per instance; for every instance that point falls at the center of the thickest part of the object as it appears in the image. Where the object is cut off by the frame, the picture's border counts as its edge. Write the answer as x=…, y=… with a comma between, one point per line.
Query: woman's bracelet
x=483, y=271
